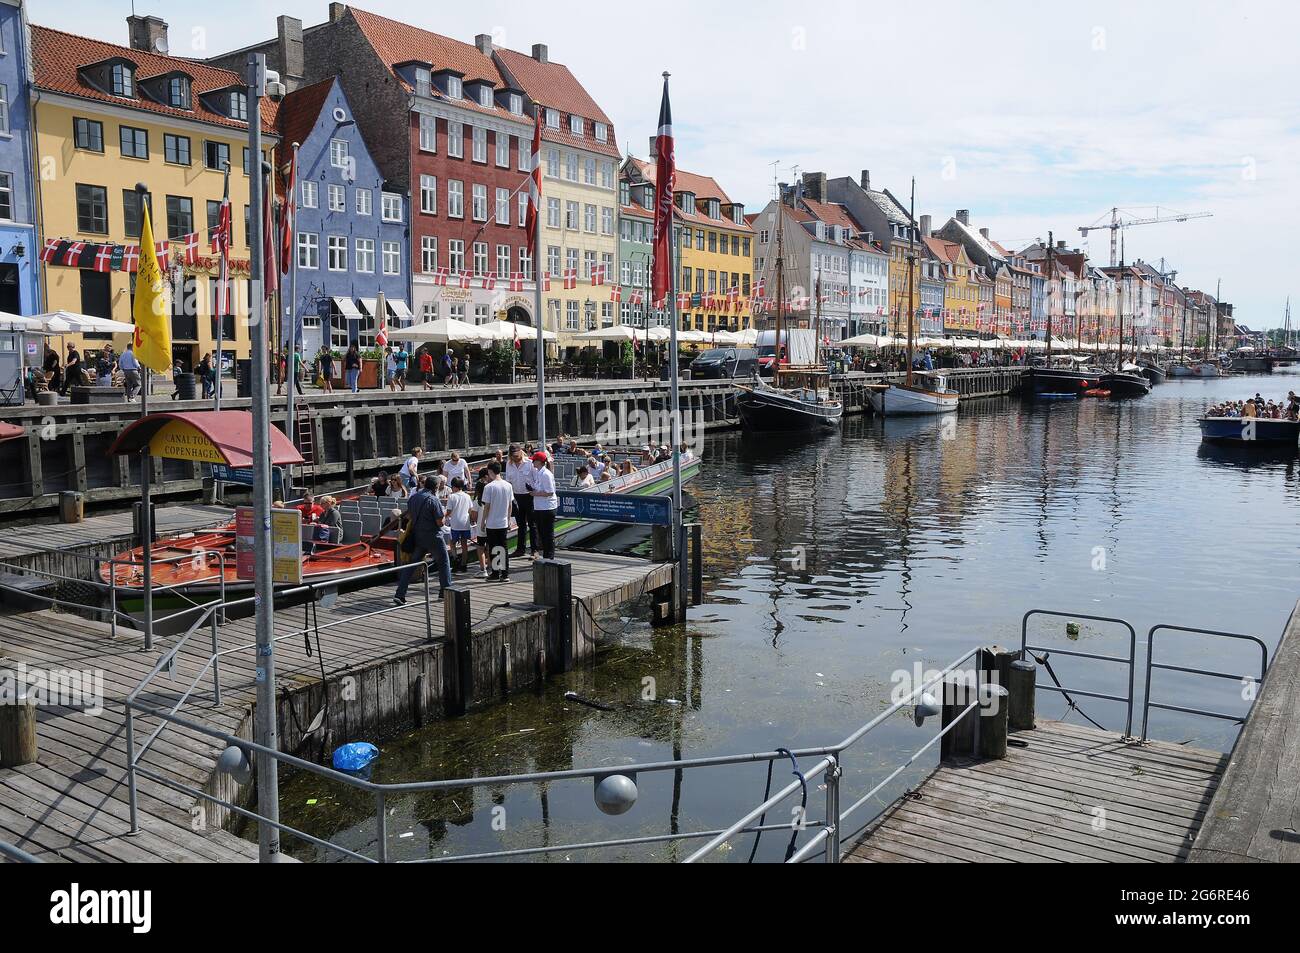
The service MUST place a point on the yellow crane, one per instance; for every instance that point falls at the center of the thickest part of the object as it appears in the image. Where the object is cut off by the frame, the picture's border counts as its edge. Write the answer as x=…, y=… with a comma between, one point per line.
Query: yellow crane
x=1117, y=224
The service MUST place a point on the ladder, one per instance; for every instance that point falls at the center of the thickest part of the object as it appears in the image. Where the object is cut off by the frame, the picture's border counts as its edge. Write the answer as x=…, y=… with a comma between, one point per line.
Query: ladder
x=306, y=441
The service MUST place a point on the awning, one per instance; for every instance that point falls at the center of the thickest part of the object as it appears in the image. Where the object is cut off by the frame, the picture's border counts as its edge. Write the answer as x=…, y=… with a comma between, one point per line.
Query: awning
x=345, y=307
x=400, y=310
x=211, y=436
x=368, y=306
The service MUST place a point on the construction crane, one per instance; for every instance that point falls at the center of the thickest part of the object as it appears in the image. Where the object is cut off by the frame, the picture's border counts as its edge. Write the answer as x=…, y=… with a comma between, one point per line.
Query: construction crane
x=1117, y=224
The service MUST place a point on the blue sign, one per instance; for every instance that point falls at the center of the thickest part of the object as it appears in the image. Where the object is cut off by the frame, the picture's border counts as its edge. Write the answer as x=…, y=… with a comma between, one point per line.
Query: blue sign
x=241, y=476
x=616, y=508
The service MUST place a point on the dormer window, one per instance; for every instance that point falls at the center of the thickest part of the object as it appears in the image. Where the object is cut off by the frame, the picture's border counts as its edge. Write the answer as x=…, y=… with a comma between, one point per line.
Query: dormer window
x=423, y=81
x=576, y=125
x=178, y=92
x=552, y=119
x=713, y=208
x=602, y=132
x=516, y=104
x=686, y=202
x=121, y=80
x=485, y=97
x=239, y=105
x=454, y=88
x=738, y=214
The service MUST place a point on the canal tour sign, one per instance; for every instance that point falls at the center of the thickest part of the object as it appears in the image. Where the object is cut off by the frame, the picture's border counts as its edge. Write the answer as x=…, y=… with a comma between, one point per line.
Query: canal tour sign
x=614, y=508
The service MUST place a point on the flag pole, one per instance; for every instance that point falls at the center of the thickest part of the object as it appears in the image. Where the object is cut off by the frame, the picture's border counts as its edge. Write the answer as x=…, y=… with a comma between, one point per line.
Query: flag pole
x=536, y=192
x=146, y=464
x=287, y=223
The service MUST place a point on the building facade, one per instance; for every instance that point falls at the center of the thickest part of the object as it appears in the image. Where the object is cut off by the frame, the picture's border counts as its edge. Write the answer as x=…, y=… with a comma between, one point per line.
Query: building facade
x=635, y=231
x=109, y=116
x=19, y=261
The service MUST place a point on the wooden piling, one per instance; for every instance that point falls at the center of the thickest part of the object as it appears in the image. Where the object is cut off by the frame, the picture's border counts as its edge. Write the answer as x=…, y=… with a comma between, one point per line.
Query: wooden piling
x=993, y=721
x=460, y=670
x=1022, y=684
x=553, y=588
x=958, y=694
x=18, y=732
x=697, y=564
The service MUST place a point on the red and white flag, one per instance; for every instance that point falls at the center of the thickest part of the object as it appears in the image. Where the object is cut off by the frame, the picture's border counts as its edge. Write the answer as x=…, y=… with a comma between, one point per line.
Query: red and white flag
x=616, y=293
x=51, y=246
x=665, y=187
x=570, y=279
x=546, y=281
x=191, y=248
x=464, y=280
x=220, y=240
x=489, y=282
x=638, y=297
x=683, y=300
x=131, y=258
x=597, y=275
x=440, y=278
x=517, y=281
x=73, y=253
x=104, y=258
x=270, y=246
x=289, y=216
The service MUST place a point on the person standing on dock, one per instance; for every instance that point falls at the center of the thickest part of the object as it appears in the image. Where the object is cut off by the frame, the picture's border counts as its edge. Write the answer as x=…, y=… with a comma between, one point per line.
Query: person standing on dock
x=129, y=365
x=519, y=471
x=545, y=503
x=352, y=367
x=498, y=499
x=424, y=539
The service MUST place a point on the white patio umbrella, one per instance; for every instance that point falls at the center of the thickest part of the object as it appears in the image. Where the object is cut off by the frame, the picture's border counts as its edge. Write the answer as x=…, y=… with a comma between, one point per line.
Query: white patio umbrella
x=619, y=332
x=444, y=331
x=658, y=335
x=749, y=336
x=509, y=330
x=861, y=340
x=69, y=322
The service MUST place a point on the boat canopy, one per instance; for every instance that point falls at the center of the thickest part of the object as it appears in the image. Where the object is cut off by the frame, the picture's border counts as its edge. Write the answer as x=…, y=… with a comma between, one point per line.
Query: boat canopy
x=211, y=436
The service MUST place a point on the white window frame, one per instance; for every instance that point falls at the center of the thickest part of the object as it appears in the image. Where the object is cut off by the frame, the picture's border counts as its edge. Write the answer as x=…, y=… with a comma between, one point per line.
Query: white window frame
x=392, y=257
x=429, y=134
x=428, y=254
x=365, y=202
x=309, y=195
x=602, y=132
x=429, y=194
x=390, y=207
x=455, y=198
x=503, y=206
x=364, y=255
x=455, y=88
x=309, y=250
x=455, y=139
x=339, y=152
x=479, y=202
x=478, y=142
x=577, y=125
x=337, y=251
x=502, y=147
x=338, y=198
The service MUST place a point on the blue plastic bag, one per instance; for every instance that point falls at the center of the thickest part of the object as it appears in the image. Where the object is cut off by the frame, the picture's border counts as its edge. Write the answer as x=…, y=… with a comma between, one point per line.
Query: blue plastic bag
x=355, y=757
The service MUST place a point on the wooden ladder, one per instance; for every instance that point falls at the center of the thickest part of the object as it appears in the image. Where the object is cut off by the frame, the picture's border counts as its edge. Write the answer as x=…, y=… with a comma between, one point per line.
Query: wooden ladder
x=306, y=443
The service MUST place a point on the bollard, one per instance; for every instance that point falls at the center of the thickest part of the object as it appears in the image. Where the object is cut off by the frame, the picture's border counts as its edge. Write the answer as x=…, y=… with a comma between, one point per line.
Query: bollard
x=72, y=507
x=993, y=721
x=697, y=564
x=958, y=694
x=458, y=666
x=553, y=588
x=1022, y=683
x=18, y=732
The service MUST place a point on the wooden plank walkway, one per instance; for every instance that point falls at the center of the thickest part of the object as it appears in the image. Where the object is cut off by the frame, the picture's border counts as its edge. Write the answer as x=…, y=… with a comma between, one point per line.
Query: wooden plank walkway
x=72, y=804
x=48, y=537
x=1071, y=795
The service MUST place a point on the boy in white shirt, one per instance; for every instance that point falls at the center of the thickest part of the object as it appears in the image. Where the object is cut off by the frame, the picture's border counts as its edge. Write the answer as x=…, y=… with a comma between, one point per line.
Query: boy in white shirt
x=459, y=512
x=498, y=500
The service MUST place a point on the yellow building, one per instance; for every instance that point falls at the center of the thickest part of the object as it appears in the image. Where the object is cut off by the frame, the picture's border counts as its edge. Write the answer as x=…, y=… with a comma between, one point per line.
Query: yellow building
x=107, y=117
x=716, y=255
x=961, y=299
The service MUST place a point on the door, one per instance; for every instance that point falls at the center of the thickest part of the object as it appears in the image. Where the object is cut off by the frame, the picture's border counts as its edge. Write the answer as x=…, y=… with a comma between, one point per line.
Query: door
x=9, y=299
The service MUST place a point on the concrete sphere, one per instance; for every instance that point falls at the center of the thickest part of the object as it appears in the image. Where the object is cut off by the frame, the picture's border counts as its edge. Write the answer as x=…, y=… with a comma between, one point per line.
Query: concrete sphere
x=234, y=763
x=616, y=794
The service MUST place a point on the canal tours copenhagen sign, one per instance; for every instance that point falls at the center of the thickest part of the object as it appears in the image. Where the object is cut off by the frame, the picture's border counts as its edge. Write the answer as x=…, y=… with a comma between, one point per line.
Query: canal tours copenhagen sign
x=615, y=508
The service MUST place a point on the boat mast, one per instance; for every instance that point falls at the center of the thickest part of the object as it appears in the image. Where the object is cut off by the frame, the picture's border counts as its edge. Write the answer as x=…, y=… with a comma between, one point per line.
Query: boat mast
x=818, y=329
x=1051, y=276
x=780, y=283
x=911, y=265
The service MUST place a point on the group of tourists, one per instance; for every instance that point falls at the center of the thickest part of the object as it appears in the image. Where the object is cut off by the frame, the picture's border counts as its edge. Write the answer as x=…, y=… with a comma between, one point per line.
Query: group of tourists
x=452, y=369
x=1257, y=406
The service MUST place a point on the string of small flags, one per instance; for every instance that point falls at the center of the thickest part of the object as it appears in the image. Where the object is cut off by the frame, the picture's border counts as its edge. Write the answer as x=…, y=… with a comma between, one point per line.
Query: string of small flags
x=108, y=256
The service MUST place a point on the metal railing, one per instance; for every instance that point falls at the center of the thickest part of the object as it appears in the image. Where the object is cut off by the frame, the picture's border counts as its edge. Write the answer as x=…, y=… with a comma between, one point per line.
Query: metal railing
x=827, y=835
x=17, y=854
x=1152, y=664
x=1130, y=661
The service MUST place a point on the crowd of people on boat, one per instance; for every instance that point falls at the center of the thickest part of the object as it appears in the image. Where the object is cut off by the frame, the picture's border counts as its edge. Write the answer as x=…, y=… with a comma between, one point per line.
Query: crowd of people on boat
x=1257, y=406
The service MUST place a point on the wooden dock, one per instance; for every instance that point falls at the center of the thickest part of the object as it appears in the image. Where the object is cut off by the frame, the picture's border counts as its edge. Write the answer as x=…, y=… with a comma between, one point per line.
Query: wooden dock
x=1071, y=794
x=19, y=544
x=72, y=804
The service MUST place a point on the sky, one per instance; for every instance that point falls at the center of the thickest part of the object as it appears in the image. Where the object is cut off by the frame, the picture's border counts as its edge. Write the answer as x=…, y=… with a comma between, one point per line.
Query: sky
x=1035, y=117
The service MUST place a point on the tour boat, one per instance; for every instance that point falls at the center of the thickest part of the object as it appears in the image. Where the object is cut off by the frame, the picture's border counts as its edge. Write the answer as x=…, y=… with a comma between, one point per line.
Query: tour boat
x=927, y=394
x=1250, y=431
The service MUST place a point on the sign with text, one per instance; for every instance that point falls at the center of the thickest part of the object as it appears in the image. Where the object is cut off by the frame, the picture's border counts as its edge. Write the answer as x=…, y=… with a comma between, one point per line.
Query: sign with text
x=241, y=476
x=616, y=508
x=286, y=545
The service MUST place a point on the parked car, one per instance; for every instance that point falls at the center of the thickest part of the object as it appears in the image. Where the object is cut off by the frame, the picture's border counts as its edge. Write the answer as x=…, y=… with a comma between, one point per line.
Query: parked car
x=725, y=362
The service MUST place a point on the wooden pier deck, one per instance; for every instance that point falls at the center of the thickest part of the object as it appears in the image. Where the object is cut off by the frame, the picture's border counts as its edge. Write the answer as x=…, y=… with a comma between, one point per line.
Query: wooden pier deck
x=72, y=804
x=1071, y=794
x=38, y=539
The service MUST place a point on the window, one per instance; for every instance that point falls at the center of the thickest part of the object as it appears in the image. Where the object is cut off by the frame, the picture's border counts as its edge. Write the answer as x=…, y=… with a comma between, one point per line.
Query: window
x=602, y=132
x=516, y=104
x=455, y=256
x=478, y=136
x=607, y=221
x=480, y=206
x=525, y=262
x=503, y=206
x=428, y=134
x=4, y=108
x=607, y=175
x=553, y=163
x=588, y=263
x=455, y=198
x=338, y=253
x=176, y=149
x=525, y=155
x=423, y=80
x=428, y=254
x=571, y=166
x=552, y=119
x=485, y=97
x=503, y=150
x=121, y=80
x=455, y=140
x=364, y=199
x=392, y=252
x=135, y=142
x=552, y=213
x=6, y=197
x=178, y=92
x=392, y=207
x=523, y=209
x=576, y=125
x=92, y=209
x=365, y=254
x=429, y=194
x=713, y=241
x=589, y=218
x=88, y=134
x=589, y=171
x=571, y=315
x=571, y=215
x=239, y=106
x=454, y=88
x=216, y=155
x=309, y=194
x=503, y=261
x=308, y=250
x=571, y=259
x=180, y=216
x=214, y=214
x=553, y=260
x=339, y=153
x=338, y=198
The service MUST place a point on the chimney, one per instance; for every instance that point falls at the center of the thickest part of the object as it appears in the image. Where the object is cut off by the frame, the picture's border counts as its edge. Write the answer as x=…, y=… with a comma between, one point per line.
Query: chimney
x=289, y=30
x=984, y=232
x=147, y=33
x=336, y=11
x=814, y=186
x=484, y=43
x=541, y=53
x=1060, y=246
x=963, y=216
x=654, y=146
x=866, y=180
x=925, y=226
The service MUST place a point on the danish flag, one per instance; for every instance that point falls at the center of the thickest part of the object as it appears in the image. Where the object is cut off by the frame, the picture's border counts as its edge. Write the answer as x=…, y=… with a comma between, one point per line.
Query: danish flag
x=517, y=281
x=440, y=278
x=104, y=258
x=220, y=240
x=489, y=282
x=546, y=281
x=616, y=293
x=535, y=186
x=597, y=275
x=760, y=289
x=73, y=254
x=51, y=246
x=638, y=297
x=683, y=300
x=131, y=258
x=464, y=279
x=191, y=248
x=570, y=279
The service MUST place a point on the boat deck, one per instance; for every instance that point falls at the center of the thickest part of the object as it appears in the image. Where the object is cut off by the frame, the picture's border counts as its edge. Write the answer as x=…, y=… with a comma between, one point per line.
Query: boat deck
x=1071, y=794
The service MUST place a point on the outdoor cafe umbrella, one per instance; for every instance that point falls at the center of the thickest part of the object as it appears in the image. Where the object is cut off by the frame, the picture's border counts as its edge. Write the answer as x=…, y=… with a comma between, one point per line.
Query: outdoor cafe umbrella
x=510, y=331
x=69, y=322
x=445, y=331
x=619, y=332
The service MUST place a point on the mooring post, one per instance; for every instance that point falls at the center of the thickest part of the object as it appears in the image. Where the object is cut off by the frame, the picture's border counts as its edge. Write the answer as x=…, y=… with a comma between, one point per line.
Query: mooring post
x=697, y=564
x=553, y=588
x=1022, y=683
x=18, y=731
x=664, y=599
x=458, y=669
x=958, y=694
x=993, y=721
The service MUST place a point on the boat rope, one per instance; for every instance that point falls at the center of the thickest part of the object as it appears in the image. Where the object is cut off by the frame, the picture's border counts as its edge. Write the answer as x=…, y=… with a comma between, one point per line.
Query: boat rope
x=767, y=793
x=1045, y=661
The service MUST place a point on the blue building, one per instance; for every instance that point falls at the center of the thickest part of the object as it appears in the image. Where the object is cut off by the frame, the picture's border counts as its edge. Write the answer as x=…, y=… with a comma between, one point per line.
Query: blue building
x=352, y=238
x=19, y=252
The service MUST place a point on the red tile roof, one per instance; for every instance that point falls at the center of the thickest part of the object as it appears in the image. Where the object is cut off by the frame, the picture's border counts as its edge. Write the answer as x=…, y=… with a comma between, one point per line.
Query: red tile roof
x=702, y=187
x=555, y=87
x=58, y=57
x=301, y=109
x=943, y=249
x=832, y=214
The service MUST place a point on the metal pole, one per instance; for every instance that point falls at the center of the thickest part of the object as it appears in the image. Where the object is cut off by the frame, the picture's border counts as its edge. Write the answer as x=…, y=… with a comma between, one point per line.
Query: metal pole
x=146, y=517
x=679, y=530
x=130, y=770
x=833, y=773
x=264, y=727
x=290, y=425
x=540, y=318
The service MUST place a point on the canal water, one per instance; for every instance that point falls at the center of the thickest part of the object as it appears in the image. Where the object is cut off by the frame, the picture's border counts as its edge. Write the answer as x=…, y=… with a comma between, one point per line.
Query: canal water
x=835, y=570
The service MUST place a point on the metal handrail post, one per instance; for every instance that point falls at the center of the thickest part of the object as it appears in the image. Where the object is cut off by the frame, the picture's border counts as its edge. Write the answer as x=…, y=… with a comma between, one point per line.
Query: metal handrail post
x=833, y=774
x=112, y=598
x=381, y=822
x=1152, y=665
x=130, y=770
x=216, y=662
x=221, y=568
x=428, y=608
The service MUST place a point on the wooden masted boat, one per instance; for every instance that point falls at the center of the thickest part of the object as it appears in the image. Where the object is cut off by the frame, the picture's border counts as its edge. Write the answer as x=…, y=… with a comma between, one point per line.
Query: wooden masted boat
x=802, y=403
x=928, y=393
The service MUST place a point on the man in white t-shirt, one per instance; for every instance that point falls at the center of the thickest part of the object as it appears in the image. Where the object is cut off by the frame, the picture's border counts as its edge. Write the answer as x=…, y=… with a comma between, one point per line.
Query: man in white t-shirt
x=545, y=503
x=519, y=473
x=456, y=468
x=458, y=509
x=498, y=499
x=411, y=469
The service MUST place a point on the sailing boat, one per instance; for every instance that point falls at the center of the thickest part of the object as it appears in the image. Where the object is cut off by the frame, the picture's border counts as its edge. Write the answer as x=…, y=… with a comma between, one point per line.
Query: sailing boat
x=1126, y=380
x=923, y=392
x=799, y=398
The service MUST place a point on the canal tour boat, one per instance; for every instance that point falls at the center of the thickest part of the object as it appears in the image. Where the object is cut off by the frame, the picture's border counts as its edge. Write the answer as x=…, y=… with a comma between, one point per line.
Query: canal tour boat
x=926, y=392
x=1250, y=432
x=363, y=548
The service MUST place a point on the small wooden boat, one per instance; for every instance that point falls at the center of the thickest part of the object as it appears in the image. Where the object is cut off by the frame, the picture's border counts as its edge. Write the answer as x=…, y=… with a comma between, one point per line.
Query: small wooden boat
x=1069, y=378
x=1250, y=431
x=927, y=394
x=1153, y=372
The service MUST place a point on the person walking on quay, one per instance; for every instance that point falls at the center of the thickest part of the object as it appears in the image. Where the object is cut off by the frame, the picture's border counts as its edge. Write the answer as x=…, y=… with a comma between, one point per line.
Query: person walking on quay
x=72, y=375
x=352, y=367
x=498, y=499
x=545, y=503
x=400, y=360
x=390, y=369
x=447, y=368
x=456, y=468
x=426, y=369
x=204, y=371
x=461, y=515
x=464, y=370
x=519, y=473
x=51, y=366
x=326, y=365
x=424, y=539
x=282, y=363
x=130, y=367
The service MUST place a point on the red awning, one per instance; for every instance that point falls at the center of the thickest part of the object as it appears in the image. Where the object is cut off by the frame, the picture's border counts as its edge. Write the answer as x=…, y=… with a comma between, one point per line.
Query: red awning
x=212, y=436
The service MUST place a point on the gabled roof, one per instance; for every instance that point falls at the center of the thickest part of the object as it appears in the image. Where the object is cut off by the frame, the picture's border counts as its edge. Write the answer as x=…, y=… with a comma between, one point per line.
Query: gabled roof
x=301, y=109
x=893, y=211
x=989, y=247
x=832, y=214
x=942, y=249
x=58, y=58
x=701, y=186
x=553, y=86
